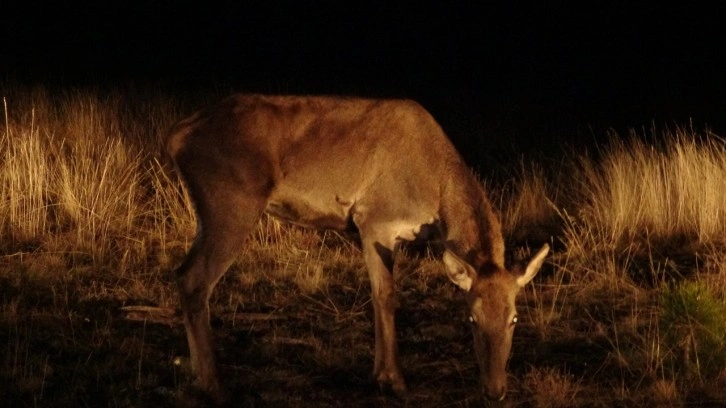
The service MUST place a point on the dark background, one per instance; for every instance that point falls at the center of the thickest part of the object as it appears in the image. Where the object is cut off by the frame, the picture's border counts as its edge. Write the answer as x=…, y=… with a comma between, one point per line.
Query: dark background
x=530, y=76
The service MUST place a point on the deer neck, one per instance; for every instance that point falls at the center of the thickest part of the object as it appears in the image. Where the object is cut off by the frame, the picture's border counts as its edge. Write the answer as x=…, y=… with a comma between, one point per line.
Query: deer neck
x=471, y=228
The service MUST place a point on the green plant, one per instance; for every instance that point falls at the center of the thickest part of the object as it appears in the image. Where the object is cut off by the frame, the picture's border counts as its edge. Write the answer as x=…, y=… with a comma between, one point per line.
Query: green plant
x=693, y=328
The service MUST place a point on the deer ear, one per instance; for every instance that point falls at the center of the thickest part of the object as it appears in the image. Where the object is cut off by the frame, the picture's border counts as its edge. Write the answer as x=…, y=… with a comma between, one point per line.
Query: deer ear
x=533, y=266
x=460, y=272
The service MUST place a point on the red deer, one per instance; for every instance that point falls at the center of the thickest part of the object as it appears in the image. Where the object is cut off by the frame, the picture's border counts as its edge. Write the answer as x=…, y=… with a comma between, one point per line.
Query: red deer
x=385, y=166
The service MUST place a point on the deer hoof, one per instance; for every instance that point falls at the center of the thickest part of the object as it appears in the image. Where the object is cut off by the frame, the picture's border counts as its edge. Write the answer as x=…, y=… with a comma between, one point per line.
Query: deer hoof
x=394, y=383
x=213, y=393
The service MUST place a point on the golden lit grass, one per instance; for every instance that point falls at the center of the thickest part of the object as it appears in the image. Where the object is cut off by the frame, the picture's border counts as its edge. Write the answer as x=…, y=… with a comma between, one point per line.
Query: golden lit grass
x=92, y=219
x=74, y=182
x=26, y=179
x=670, y=191
x=633, y=222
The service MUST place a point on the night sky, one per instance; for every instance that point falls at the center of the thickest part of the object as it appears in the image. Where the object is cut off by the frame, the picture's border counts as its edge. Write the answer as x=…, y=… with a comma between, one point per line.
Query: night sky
x=511, y=71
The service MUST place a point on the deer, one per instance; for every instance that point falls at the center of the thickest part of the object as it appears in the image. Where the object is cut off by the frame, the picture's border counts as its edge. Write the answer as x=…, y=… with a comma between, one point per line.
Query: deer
x=383, y=166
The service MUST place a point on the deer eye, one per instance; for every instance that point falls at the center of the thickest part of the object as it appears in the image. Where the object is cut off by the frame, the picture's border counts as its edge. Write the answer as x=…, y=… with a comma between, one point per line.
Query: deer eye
x=514, y=320
x=471, y=319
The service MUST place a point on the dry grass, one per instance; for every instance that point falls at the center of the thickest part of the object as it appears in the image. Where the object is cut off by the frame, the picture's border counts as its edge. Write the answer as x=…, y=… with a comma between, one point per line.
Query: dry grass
x=660, y=200
x=93, y=220
x=551, y=389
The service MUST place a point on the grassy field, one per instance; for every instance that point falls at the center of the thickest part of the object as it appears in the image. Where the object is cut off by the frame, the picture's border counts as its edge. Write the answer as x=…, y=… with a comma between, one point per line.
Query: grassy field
x=628, y=311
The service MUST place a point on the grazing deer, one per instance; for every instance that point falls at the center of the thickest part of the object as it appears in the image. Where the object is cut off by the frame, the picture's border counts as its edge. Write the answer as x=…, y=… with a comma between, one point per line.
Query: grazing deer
x=384, y=166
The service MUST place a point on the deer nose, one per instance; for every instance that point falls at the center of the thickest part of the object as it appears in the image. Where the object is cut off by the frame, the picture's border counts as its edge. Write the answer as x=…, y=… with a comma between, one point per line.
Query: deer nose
x=497, y=393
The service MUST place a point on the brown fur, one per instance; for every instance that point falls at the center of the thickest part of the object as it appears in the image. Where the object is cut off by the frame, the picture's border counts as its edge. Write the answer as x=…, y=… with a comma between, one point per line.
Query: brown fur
x=325, y=162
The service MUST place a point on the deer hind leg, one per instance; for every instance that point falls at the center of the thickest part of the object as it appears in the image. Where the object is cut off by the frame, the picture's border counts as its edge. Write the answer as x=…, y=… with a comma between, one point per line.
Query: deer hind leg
x=224, y=224
x=379, y=261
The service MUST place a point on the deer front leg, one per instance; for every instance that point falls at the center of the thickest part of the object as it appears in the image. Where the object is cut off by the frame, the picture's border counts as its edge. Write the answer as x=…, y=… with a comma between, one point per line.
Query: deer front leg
x=386, y=367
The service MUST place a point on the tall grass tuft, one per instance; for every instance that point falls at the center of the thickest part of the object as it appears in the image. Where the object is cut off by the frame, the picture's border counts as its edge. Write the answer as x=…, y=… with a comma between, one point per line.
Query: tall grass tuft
x=76, y=179
x=654, y=207
x=97, y=194
x=25, y=180
x=656, y=192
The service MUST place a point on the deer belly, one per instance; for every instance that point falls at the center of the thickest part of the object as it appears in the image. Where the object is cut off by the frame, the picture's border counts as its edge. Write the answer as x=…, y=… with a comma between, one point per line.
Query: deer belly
x=305, y=215
x=411, y=230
